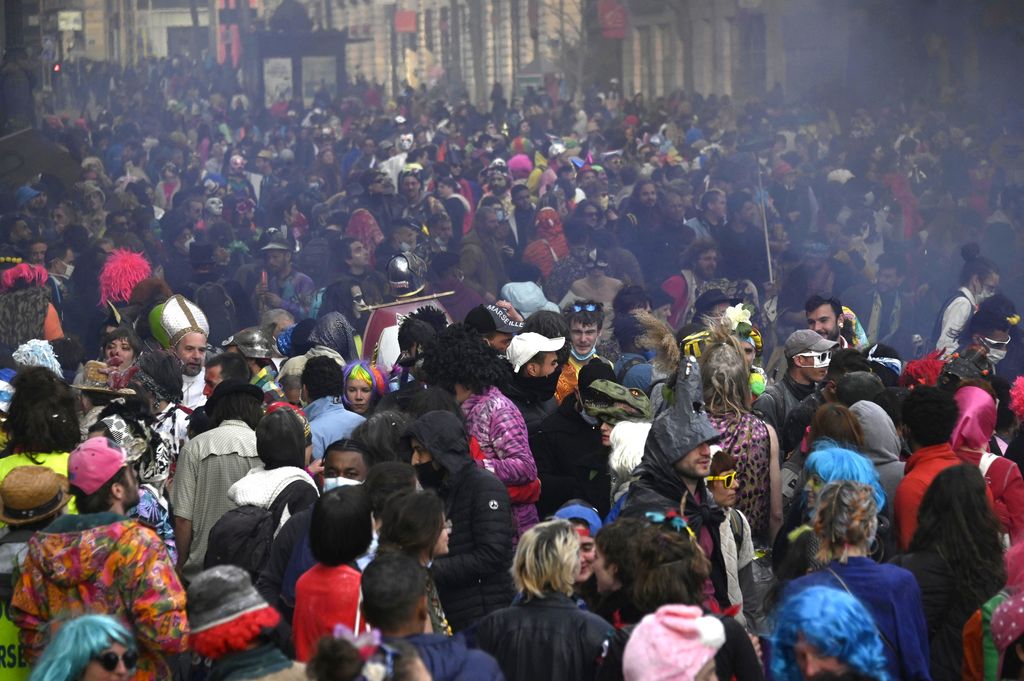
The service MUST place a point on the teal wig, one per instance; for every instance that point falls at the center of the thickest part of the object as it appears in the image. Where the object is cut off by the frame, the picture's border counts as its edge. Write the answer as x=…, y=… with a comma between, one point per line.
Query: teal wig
x=836, y=624
x=832, y=463
x=77, y=641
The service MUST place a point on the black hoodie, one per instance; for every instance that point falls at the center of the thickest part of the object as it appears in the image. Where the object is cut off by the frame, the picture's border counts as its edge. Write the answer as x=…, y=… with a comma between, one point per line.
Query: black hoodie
x=474, y=578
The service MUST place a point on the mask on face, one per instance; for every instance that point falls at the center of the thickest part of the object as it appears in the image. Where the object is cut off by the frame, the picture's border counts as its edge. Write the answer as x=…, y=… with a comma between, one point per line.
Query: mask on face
x=985, y=294
x=429, y=477
x=332, y=483
x=188, y=242
x=995, y=356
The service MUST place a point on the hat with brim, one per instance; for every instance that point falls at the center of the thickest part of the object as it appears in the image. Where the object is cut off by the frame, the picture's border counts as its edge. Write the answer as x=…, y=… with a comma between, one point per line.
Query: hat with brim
x=807, y=340
x=29, y=494
x=276, y=246
x=94, y=379
x=711, y=298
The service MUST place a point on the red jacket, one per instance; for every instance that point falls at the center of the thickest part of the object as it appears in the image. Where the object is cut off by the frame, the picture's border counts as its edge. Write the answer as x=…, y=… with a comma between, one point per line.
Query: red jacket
x=925, y=464
x=921, y=469
x=1006, y=485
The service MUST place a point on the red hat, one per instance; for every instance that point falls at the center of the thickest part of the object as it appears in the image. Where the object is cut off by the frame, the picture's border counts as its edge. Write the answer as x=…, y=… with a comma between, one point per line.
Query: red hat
x=782, y=169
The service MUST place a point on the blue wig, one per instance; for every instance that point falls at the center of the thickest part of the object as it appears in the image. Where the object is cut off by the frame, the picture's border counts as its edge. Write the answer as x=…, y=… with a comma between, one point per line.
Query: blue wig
x=77, y=641
x=833, y=463
x=836, y=624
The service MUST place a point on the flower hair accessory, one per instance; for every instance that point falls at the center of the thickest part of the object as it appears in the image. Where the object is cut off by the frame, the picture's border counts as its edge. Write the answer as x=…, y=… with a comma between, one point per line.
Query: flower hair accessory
x=378, y=658
x=670, y=519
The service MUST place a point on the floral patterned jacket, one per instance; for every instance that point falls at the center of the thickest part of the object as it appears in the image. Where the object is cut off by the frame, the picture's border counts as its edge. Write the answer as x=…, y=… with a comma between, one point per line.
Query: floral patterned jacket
x=102, y=563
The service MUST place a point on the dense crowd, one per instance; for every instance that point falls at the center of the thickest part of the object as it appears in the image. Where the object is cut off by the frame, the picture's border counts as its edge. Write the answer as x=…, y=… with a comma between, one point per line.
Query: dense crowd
x=351, y=388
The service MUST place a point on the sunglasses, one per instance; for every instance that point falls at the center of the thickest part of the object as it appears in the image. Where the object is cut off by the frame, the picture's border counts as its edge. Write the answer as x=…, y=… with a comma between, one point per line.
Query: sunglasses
x=589, y=307
x=109, y=660
x=821, y=359
x=996, y=345
x=727, y=480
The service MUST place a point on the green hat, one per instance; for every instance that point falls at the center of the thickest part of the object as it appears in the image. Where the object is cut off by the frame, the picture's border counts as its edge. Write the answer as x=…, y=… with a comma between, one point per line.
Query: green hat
x=612, y=403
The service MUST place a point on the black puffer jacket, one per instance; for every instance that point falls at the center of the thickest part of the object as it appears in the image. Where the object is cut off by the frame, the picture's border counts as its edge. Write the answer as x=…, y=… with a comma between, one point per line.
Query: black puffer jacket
x=473, y=579
x=571, y=461
x=544, y=638
x=947, y=607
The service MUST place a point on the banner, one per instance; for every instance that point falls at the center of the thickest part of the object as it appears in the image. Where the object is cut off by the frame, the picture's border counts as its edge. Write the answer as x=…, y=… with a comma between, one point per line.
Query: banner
x=405, y=21
x=612, y=17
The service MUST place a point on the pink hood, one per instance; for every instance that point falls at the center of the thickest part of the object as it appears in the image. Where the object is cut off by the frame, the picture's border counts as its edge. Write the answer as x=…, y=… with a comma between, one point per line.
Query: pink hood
x=977, y=419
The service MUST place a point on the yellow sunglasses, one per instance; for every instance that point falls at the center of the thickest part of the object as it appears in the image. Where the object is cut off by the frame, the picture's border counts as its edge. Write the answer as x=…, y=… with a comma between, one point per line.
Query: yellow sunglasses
x=727, y=480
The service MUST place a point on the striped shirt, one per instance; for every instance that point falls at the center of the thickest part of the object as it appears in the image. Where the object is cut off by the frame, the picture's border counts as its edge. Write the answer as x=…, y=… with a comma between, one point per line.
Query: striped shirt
x=207, y=467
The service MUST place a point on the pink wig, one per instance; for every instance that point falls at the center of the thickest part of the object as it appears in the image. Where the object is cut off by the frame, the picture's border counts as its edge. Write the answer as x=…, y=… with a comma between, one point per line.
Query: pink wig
x=977, y=419
x=23, y=276
x=520, y=166
x=122, y=271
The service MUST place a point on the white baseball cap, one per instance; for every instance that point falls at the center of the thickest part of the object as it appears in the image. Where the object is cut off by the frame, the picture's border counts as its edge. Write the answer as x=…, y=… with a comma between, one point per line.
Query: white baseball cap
x=525, y=346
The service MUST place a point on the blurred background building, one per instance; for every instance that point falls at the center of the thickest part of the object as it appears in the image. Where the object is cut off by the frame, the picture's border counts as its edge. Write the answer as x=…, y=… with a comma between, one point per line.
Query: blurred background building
x=739, y=48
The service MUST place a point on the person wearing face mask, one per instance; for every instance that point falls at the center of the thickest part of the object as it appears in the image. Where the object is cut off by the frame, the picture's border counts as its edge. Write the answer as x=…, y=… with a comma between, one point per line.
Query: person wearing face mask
x=978, y=281
x=473, y=579
x=990, y=327
x=585, y=319
x=535, y=361
x=401, y=239
x=567, y=445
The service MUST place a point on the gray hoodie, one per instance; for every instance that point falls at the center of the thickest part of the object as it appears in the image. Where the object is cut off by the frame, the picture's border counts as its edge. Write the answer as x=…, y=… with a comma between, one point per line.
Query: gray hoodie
x=881, y=445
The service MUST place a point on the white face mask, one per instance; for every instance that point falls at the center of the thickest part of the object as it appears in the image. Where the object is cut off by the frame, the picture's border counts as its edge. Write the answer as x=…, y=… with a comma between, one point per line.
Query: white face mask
x=331, y=483
x=995, y=356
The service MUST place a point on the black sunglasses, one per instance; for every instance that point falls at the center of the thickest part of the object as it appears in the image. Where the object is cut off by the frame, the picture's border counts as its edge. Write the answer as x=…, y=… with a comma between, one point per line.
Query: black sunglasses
x=109, y=659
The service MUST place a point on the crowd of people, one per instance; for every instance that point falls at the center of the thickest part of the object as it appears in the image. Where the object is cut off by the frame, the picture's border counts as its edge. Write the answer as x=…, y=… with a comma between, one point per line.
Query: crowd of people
x=362, y=389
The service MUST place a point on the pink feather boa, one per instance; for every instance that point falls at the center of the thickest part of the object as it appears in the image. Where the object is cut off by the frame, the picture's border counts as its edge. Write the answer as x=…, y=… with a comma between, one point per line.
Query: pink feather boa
x=1017, y=398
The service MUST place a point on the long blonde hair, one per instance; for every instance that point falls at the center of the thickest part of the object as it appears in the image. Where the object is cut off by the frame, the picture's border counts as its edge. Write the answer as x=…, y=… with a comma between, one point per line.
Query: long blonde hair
x=725, y=378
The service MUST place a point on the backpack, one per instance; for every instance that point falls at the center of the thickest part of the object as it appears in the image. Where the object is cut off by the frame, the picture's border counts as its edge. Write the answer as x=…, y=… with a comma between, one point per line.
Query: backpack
x=243, y=537
x=626, y=366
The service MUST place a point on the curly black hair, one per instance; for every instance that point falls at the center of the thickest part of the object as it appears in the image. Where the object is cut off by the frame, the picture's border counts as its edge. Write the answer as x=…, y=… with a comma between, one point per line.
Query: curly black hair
x=459, y=355
x=431, y=315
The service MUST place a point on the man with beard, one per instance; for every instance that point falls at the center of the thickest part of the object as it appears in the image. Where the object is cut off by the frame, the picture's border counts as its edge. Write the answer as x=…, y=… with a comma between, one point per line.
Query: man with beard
x=677, y=458
x=101, y=562
x=827, y=318
x=187, y=331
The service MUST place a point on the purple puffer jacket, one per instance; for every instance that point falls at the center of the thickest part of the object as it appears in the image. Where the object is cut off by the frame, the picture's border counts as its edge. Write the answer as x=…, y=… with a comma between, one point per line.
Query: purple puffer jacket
x=500, y=431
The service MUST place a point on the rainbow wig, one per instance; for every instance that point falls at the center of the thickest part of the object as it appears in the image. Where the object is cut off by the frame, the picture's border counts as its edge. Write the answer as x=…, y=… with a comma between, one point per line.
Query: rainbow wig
x=77, y=641
x=361, y=370
x=836, y=624
x=832, y=463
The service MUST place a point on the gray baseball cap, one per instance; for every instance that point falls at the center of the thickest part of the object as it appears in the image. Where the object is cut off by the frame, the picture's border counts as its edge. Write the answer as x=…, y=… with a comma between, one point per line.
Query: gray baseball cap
x=807, y=340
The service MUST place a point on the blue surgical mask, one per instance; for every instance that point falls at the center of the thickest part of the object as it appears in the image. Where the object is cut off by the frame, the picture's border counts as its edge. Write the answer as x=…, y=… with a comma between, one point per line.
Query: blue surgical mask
x=584, y=358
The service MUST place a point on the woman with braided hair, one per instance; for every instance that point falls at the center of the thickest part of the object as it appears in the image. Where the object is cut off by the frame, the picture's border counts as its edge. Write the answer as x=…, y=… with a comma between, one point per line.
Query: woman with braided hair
x=845, y=522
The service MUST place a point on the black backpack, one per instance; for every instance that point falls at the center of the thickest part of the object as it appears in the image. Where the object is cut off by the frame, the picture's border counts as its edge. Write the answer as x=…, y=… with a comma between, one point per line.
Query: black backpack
x=243, y=537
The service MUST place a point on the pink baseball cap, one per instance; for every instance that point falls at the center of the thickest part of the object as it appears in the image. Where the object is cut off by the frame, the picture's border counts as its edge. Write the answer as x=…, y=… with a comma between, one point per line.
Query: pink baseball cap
x=94, y=462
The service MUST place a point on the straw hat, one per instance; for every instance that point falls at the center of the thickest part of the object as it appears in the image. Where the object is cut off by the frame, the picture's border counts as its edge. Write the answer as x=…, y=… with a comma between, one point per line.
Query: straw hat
x=32, y=493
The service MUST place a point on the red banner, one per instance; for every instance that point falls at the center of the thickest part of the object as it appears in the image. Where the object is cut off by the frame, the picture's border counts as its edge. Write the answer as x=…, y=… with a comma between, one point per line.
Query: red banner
x=612, y=16
x=405, y=21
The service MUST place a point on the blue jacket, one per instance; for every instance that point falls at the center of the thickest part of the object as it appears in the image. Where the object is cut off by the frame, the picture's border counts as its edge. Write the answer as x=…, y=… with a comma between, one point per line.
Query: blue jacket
x=330, y=421
x=893, y=598
x=449, y=659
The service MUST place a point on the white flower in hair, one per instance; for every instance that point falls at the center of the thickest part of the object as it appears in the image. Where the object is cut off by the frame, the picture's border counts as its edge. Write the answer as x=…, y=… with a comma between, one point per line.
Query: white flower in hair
x=736, y=315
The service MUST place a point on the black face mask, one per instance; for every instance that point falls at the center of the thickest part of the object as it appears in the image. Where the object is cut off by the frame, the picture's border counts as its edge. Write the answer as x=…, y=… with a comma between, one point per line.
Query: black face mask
x=542, y=388
x=429, y=477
